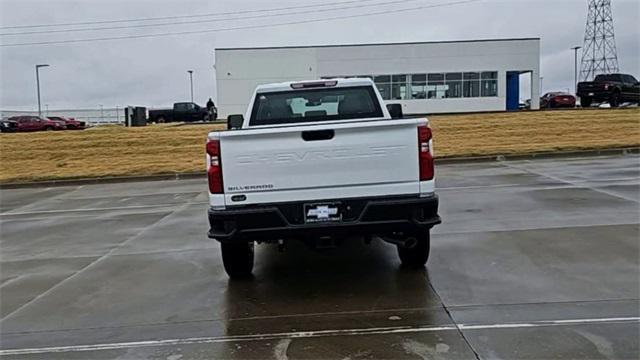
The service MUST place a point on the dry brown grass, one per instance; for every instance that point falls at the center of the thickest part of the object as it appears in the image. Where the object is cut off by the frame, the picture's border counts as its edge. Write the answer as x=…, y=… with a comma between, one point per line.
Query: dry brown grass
x=536, y=131
x=119, y=151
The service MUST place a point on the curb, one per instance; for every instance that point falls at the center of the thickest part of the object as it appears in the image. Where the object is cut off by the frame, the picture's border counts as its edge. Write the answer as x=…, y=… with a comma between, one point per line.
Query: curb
x=105, y=180
x=444, y=160
x=540, y=155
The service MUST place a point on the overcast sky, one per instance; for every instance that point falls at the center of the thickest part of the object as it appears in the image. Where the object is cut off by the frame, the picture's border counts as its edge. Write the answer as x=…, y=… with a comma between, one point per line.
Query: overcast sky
x=153, y=71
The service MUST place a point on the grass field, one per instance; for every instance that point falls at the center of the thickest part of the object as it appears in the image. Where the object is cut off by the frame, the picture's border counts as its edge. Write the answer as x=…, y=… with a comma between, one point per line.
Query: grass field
x=118, y=151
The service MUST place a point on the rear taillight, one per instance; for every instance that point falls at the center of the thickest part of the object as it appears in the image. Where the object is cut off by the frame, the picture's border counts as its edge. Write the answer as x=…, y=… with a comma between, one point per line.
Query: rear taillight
x=214, y=167
x=425, y=155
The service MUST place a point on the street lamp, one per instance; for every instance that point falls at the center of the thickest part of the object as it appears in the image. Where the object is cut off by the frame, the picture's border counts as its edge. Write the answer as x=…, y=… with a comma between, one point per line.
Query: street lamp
x=191, y=80
x=575, y=67
x=38, y=86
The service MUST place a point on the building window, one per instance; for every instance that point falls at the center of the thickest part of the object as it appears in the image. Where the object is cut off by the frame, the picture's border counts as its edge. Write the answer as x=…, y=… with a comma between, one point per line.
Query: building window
x=471, y=84
x=418, y=86
x=489, y=83
x=399, y=87
x=383, y=83
x=436, y=88
x=434, y=85
x=453, y=82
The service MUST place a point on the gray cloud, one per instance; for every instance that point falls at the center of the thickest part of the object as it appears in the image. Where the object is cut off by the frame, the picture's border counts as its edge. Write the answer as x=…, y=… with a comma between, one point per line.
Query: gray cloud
x=152, y=71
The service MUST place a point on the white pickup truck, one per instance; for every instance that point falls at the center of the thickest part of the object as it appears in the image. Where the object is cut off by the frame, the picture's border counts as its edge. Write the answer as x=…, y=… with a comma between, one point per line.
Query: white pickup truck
x=320, y=161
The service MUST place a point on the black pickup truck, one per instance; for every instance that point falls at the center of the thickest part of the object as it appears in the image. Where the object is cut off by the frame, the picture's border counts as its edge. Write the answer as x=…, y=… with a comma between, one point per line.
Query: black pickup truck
x=182, y=112
x=612, y=88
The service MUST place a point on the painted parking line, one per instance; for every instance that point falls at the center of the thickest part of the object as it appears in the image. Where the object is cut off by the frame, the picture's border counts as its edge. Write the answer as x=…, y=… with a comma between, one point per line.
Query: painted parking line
x=310, y=334
x=132, y=207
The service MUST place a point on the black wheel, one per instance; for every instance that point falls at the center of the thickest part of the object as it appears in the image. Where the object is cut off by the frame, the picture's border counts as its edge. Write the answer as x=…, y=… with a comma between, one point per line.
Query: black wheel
x=585, y=102
x=416, y=256
x=237, y=259
x=160, y=120
x=614, y=100
x=48, y=128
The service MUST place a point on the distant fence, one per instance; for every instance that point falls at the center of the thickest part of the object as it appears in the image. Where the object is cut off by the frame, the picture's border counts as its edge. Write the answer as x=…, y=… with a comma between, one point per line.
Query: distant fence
x=91, y=116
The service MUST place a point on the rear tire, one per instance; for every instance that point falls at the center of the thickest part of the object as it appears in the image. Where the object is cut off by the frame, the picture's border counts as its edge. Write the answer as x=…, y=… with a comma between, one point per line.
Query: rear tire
x=160, y=120
x=237, y=259
x=417, y=256
x=585, y=102
x=614, y=99
x=48, y=128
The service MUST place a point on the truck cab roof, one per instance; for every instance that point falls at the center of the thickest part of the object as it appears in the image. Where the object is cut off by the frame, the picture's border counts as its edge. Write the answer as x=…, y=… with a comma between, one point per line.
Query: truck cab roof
x=306, y=84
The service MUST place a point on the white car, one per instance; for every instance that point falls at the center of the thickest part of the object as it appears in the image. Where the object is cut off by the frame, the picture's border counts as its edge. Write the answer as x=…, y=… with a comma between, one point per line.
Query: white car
x=321, y=161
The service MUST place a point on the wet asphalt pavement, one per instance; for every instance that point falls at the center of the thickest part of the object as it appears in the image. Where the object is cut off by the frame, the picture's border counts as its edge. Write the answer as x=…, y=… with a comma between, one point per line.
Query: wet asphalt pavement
x=535, y=259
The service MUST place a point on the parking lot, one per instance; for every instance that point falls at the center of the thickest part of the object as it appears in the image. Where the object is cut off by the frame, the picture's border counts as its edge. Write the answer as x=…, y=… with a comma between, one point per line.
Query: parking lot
x=534, y=259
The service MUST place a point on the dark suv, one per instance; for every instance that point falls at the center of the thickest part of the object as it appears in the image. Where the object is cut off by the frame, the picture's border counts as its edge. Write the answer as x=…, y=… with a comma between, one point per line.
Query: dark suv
x=613, y=88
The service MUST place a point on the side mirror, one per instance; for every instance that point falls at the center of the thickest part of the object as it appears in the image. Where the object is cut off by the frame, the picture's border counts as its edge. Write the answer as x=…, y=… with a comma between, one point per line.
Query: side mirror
x=235, y=122
x=395, y=110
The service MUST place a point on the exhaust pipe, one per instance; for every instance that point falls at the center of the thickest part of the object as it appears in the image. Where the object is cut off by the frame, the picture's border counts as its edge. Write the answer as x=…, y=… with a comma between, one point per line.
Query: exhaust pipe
x=405, y=242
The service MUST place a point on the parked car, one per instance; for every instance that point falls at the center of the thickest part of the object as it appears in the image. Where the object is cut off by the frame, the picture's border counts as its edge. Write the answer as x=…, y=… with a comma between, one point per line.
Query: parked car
x=557, y=99
x=7, y=125
x=613, y=88
x=322, y=162
x=35, y=123
x=181, y=112
x=70, y=123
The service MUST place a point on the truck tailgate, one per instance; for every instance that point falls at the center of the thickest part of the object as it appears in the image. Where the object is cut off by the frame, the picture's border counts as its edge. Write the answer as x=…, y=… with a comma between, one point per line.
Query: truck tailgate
x=328, y=161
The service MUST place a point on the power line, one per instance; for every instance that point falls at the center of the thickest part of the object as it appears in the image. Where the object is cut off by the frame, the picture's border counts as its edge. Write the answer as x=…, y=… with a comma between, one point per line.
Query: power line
x=240, y=27
x=205, y=21
x=183, y=16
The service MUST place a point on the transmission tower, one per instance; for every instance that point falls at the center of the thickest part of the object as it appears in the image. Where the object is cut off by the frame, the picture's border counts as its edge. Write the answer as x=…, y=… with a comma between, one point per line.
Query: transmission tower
x=599, y=55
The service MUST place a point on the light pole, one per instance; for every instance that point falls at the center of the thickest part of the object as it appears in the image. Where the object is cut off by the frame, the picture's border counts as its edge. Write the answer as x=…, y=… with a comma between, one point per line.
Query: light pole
x=191, y=80
x=101, y=113
x=38, y=86
x=575, y=67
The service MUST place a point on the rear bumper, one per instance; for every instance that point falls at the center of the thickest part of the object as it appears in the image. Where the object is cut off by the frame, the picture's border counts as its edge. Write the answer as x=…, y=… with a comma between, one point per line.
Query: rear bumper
x=595, y=94
x=365, y=217
x=565, y=104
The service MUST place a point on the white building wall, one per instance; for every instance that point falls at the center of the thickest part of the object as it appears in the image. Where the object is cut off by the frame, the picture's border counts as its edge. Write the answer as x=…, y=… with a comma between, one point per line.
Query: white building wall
x=239, y=71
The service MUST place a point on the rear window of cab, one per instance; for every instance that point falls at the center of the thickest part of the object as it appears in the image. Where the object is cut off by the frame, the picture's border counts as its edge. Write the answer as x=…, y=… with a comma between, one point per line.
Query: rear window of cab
x=312, y=105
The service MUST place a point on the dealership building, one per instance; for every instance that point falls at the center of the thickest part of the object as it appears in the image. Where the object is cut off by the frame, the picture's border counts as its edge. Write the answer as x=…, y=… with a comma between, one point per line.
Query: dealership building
x=425, y=77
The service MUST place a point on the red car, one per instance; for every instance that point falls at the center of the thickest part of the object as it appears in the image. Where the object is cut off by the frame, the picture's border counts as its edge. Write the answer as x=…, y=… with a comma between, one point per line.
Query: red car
x=35, y=123
x=70, y=123
x=557, y=100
